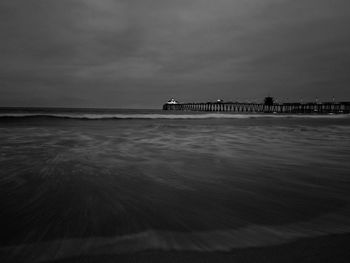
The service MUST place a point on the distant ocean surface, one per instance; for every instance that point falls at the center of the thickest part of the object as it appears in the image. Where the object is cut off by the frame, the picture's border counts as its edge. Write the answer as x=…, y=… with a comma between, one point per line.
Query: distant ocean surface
x=77, y=182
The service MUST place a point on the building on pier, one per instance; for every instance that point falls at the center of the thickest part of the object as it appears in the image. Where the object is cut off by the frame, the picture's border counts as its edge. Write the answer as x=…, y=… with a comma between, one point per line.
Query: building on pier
x=269, y=101
x=172, y=101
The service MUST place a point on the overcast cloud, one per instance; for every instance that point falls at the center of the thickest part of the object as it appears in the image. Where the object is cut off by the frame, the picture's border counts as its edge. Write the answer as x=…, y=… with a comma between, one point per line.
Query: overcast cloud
x=128, y=53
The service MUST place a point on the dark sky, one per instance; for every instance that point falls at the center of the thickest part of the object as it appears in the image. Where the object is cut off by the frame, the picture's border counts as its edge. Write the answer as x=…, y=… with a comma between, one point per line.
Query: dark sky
x=138, y=54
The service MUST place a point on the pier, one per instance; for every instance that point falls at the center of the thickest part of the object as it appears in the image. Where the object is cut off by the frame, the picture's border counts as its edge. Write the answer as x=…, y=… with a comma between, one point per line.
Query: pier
x=307, y=108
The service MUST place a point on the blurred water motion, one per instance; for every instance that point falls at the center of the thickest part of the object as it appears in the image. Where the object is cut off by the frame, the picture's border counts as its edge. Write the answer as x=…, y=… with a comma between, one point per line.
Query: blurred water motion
x=70, y=187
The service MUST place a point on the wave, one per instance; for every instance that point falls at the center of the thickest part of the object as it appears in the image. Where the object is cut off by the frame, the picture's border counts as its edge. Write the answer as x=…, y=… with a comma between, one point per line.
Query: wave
x=93, y=116
x=207, y=241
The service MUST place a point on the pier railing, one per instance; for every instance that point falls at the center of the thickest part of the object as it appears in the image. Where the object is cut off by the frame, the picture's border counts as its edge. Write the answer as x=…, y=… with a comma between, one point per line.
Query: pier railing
x=325, y=107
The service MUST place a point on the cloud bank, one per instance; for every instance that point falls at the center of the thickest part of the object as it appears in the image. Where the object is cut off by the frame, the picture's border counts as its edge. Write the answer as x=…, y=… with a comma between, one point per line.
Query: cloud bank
x=118, y=53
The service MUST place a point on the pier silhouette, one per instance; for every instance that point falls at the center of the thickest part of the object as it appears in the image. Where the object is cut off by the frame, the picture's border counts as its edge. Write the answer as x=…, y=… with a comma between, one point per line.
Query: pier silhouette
x=268, y=106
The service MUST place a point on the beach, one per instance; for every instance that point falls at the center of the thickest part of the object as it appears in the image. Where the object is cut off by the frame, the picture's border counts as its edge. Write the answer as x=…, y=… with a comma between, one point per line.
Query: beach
x=148, y=186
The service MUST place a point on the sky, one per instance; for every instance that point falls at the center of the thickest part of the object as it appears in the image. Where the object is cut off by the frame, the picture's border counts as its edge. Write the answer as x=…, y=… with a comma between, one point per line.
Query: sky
x=139, y=54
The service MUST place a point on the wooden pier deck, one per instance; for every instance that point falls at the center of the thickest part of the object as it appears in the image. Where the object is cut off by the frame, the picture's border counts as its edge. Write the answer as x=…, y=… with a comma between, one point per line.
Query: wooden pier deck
x=325, y=107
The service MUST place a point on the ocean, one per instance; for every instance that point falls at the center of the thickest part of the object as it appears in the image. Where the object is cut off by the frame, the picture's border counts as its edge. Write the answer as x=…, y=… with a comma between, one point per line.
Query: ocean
x=79, y=182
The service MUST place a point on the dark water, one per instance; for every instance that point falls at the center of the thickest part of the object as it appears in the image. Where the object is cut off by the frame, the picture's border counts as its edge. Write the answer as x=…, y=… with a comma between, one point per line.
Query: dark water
x=106, y=182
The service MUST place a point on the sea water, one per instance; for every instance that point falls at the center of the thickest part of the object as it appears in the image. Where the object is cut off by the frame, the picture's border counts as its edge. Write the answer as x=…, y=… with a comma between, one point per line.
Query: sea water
x=79, y=182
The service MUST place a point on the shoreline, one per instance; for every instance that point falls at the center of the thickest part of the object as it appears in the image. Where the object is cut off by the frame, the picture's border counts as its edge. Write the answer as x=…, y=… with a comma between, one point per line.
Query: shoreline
x=328, y=248
x=332, y=248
